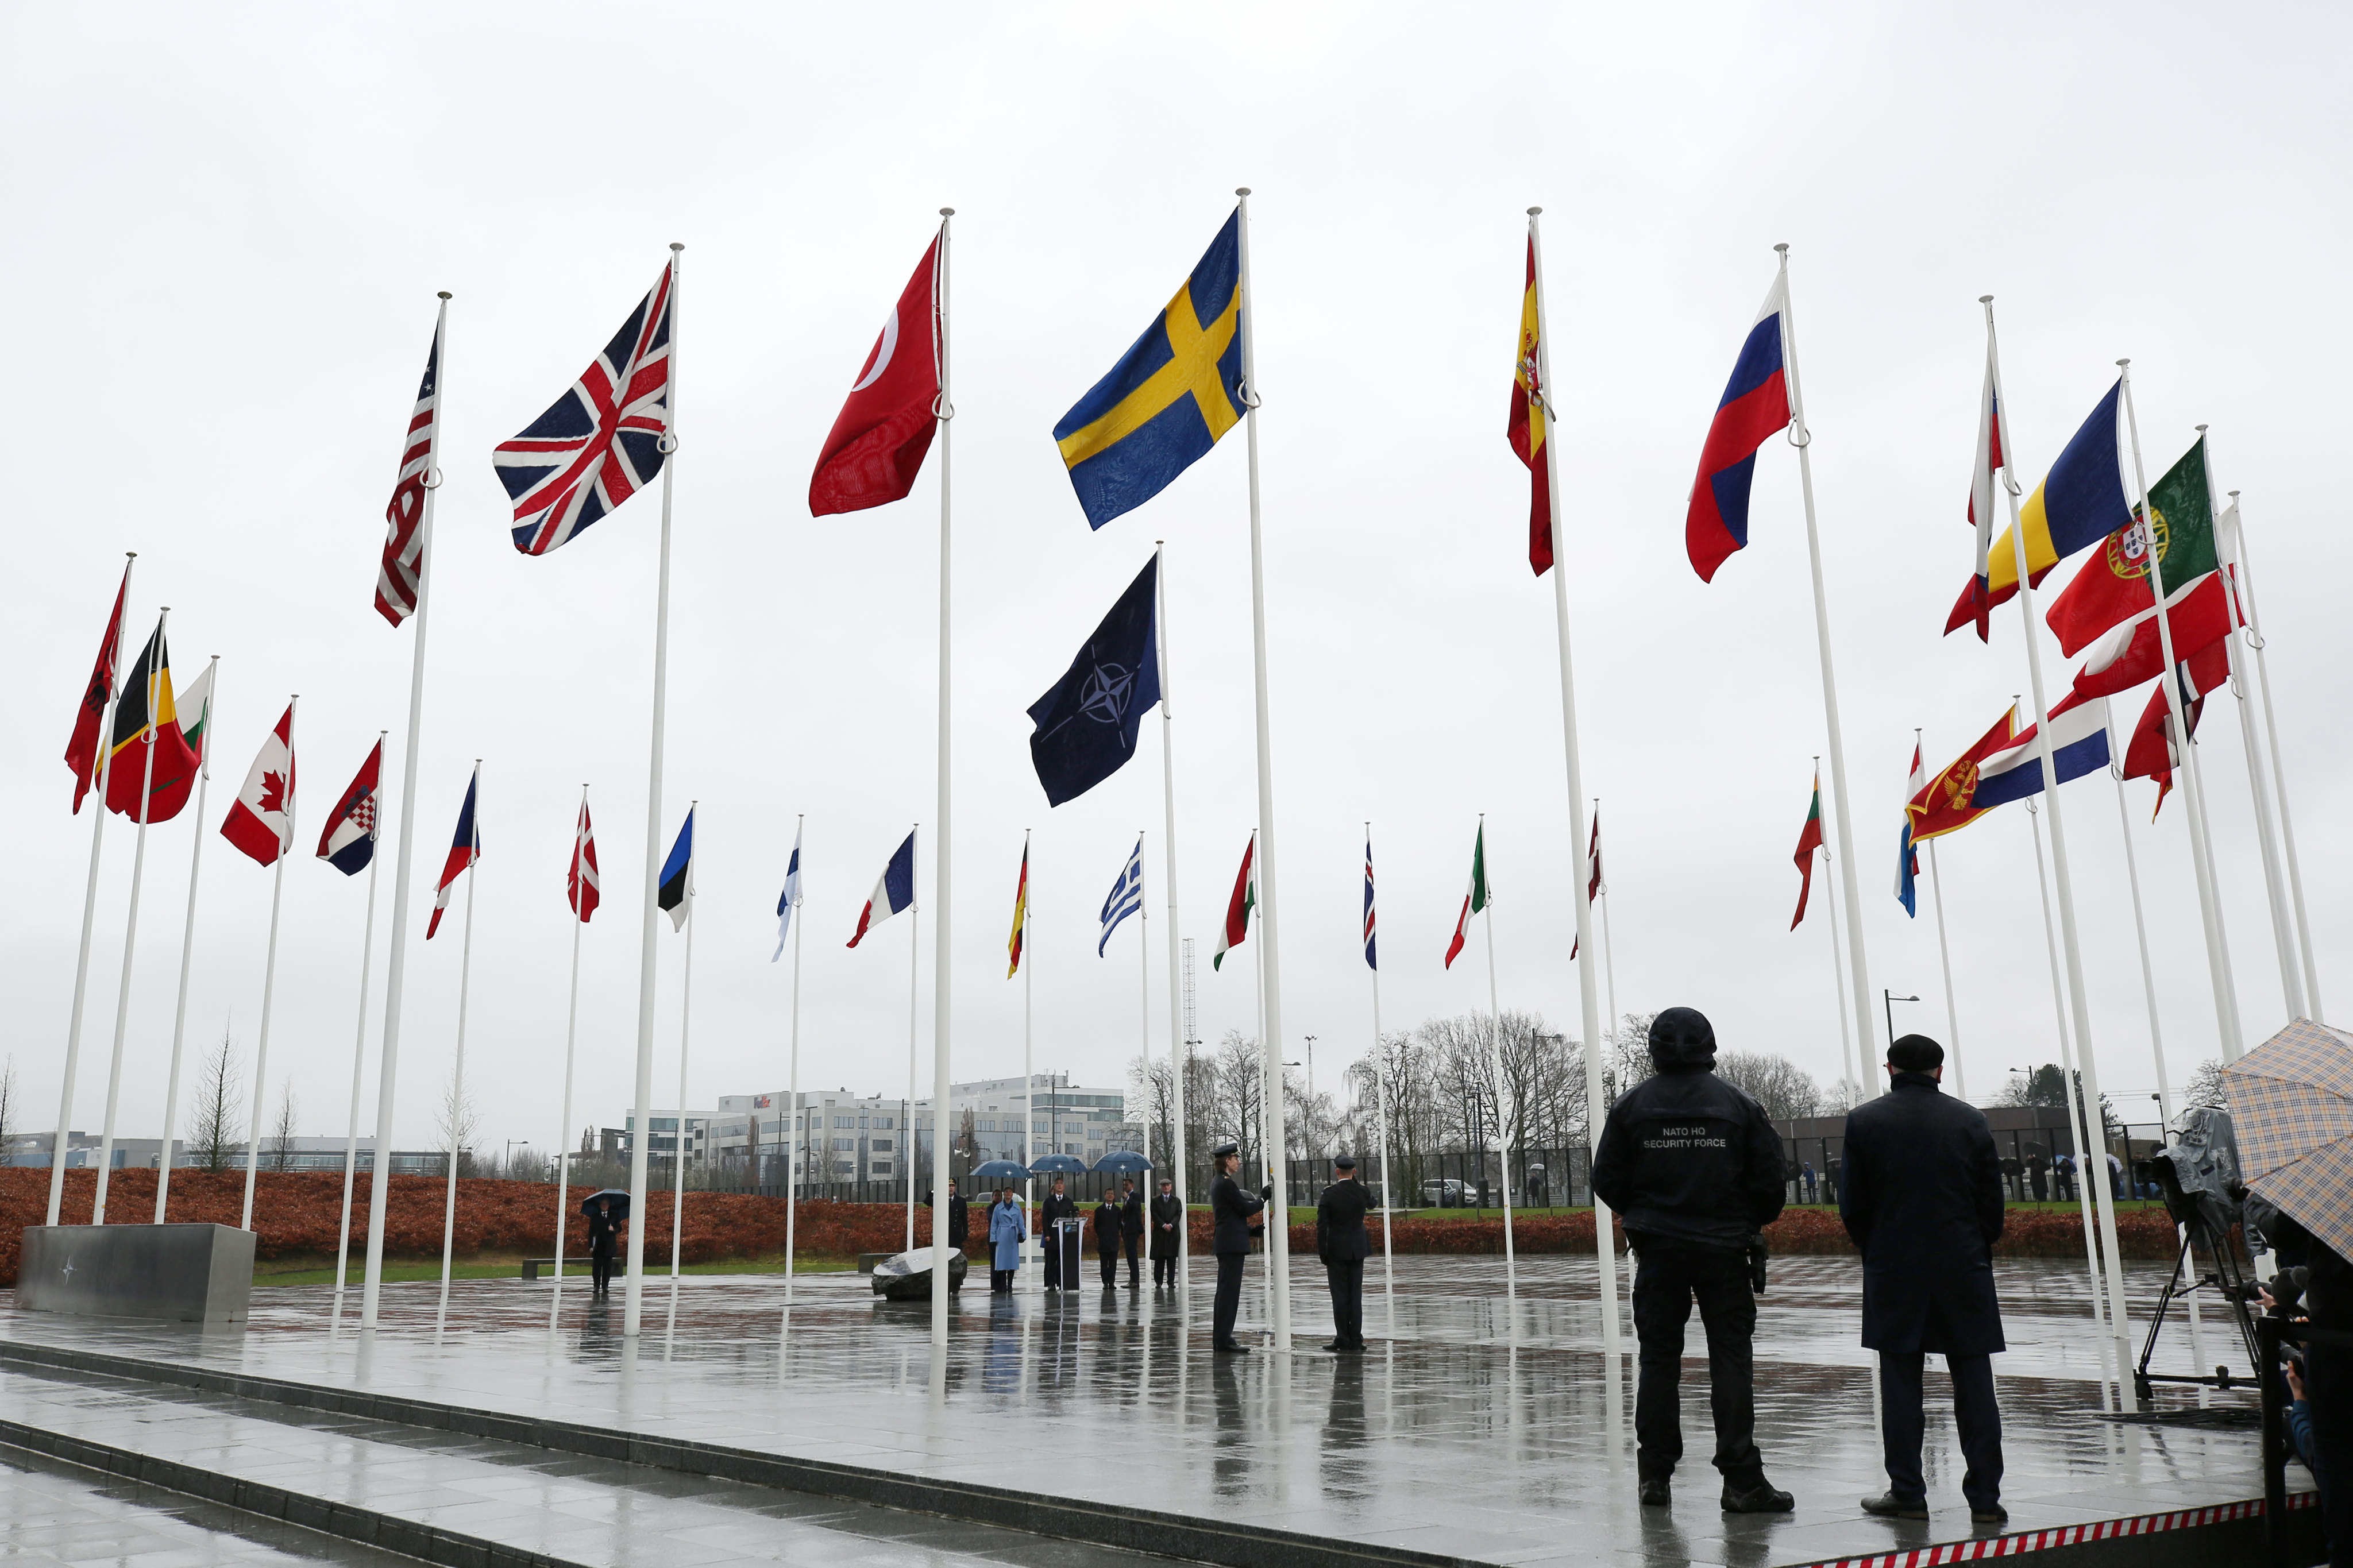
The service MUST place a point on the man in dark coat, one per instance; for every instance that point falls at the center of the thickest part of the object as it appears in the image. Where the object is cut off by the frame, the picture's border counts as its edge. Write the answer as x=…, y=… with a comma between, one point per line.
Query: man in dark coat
x=1693, y=1166
x=1923, y=1201
x=1110, y=1222
x=604, y=1237
x=1232, y=1211
x=959, y=1220
x=1130, y=1230
x=1167, y=1215
x=1343, y=1245
x=1057, y=1206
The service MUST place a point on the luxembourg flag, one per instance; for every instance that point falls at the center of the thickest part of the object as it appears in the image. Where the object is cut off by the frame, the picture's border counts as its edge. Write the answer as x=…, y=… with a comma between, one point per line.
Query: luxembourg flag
x=262, y=823
x=1754, y=409
x=2079, y=746
x=465, y=848
x=1907, y=857
x=894, y=892
x=349, y=843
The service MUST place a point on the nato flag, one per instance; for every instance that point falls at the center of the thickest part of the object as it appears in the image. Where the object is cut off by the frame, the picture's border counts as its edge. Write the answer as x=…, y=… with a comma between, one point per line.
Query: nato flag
x=1086, y=725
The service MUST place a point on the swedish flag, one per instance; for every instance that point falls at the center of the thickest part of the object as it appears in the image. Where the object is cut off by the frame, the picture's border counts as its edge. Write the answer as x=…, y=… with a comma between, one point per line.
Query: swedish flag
x=1169, y=397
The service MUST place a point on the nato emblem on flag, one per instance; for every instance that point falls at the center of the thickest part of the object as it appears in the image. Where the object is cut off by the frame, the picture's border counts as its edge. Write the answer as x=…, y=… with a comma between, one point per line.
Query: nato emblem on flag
x=1086, y=726
x=676, y=896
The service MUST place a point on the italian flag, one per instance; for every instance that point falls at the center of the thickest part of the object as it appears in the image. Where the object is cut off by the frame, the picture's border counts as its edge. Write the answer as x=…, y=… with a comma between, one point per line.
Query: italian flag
x=1476, y=899
x=1238, y=907
x=1810, y=838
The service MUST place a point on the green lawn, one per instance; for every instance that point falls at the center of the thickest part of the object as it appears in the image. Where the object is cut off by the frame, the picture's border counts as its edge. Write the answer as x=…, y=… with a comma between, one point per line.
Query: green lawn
x=267, y=1274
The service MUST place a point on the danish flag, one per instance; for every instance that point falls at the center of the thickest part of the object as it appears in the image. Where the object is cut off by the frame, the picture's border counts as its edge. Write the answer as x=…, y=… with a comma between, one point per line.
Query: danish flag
x=580, y=883
x=601, y=441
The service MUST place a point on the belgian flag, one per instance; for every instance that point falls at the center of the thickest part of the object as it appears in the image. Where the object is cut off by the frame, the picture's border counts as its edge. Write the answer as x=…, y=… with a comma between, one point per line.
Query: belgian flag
x=145, y=716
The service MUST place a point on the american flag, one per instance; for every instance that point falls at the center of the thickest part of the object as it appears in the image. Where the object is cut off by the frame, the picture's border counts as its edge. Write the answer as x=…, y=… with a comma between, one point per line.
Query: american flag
x=599, y=444
x=1372, y=960
x=399, y=578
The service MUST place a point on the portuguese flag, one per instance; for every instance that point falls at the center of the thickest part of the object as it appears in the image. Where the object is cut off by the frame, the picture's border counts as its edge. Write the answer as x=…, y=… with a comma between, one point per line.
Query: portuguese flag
x=1477, y=898
x=1808, y=840
x=1238, y=907
x=2112, y=586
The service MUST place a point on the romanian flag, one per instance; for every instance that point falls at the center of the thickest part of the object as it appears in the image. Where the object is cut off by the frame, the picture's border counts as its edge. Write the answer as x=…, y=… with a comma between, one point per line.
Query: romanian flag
x=1020, y=915
x=1810, y=838
x=1531, y=418
x=2081, y=503
x=1171, y=395
x=145, y=711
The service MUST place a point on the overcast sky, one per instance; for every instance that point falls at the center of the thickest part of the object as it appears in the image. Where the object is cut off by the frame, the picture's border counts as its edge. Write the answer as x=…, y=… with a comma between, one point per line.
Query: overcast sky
x=228, y=225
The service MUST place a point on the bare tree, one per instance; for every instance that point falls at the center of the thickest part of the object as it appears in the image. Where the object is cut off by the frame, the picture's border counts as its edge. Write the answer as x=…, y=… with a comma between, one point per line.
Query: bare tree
x=1775, y=1082
x=967, y=1138
x=456, y=1122
x=2206, y=1087
x=11, y=1108
x=218, y=1108
x=283, y=1135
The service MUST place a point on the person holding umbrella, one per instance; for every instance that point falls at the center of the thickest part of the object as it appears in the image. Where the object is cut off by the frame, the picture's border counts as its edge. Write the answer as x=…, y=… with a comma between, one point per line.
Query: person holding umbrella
x=1007, y=1227
x=608, y=1212
x=1168, y=1213
x=1236, y=1214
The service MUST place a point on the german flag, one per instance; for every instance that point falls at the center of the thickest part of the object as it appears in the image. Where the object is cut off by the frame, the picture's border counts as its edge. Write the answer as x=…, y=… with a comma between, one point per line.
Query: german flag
x=145, y=715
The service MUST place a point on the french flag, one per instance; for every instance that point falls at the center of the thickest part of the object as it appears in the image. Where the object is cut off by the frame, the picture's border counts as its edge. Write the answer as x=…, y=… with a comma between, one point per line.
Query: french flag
x=349, y=842
x=1754, y=409
x=894, y=892
x=2079, y=746
x=465, y=848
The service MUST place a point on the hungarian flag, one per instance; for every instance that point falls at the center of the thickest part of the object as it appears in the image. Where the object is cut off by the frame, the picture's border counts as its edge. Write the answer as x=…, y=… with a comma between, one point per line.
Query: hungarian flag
x=261, y=822
x=1020, y=916
x=1238, y=907
x=2112, y=585
x=348, y=842
x=1810, y=838
x=81, y=751
x=1477, y=897
x=465, y=848
x=1531, y=420
x=145, y=711
x=1946, y=803
x=877, y=441
x=893, y=892
x=1907, y=857
x=582, y=887
x=2199, y=615
x=1987, y=462
x=674, y=892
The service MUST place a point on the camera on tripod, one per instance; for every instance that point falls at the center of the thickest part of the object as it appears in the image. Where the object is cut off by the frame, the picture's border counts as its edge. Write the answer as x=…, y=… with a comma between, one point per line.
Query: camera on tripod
x=2198, y=1177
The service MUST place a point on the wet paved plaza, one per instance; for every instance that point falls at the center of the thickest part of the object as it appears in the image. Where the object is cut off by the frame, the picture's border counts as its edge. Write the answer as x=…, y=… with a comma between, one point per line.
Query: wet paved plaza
x=1473, y=1428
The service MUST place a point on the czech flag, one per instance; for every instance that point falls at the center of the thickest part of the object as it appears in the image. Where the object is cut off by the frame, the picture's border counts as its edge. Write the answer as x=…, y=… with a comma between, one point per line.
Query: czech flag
x=1755, y=407
x=465, y=848
x=894, y=892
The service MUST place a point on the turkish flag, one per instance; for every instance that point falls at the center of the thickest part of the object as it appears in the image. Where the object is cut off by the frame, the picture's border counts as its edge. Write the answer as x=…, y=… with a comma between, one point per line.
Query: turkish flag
x=877, y=442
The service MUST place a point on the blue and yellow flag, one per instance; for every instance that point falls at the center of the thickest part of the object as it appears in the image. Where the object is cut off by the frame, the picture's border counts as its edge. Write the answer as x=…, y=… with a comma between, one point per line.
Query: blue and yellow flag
x=1169, y=397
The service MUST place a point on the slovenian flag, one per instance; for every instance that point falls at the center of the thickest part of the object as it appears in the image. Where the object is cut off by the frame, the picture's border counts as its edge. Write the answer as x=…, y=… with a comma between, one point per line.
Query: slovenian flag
x=675, y=894
x=1754, y=409
x=262, y=823
x=465, y=848
x=2079, y=746
x=894, y=892
x=1907, y=858
x=349, y=842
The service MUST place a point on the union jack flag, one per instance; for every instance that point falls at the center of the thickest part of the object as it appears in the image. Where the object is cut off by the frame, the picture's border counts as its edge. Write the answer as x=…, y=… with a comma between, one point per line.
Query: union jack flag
x=398, y=579
x=601, y=442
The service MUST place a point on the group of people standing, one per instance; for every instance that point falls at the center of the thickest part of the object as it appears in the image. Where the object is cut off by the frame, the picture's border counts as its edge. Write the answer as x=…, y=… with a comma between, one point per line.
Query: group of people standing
x=1122, y=1223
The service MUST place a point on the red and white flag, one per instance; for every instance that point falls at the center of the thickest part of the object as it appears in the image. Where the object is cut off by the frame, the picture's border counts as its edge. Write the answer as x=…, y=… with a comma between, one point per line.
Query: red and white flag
x=400, y=578
x=878, y=439
x=1987, y=459
x=580, y=883
x=1593, y=874
x=81, y=751
x=1238, y=907
x=262, y=823
x=465, y=848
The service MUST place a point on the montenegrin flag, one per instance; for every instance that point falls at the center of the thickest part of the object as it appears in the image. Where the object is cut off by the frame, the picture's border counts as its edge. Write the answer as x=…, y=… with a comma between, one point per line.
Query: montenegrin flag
x=1809, y=839
x=1531, y=418
x=1235, y=929
x=1949, y=801
x=1754, y=409
x=1474, y=899
x=2079, y=504
x=261, y=822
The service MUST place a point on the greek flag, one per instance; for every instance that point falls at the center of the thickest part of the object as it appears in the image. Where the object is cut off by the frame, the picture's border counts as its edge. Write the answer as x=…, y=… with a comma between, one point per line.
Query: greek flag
x=1126, y=895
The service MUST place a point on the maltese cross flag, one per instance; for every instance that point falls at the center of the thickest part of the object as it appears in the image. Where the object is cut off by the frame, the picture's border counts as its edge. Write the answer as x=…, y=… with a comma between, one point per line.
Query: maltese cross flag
x=262, y=823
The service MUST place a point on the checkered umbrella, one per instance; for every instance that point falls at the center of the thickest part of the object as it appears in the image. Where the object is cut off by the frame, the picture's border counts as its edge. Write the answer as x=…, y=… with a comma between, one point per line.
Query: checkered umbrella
x=2291, y=1108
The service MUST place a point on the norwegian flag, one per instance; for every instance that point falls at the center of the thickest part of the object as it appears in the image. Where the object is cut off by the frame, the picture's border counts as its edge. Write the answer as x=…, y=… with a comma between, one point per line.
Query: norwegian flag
x=465, y=848
x=601, y=441
x=349, y=842
x=400, y=577
x=580, y=883
x=262, y=823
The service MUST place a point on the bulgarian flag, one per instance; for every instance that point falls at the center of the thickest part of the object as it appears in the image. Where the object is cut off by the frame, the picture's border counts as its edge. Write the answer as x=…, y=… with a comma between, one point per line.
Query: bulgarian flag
x=1477, y=898
x=1808, y=840
x=1239, y=906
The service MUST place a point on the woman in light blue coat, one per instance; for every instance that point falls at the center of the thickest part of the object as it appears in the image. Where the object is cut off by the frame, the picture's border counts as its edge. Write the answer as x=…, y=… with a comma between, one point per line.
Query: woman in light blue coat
x=1006, y=1226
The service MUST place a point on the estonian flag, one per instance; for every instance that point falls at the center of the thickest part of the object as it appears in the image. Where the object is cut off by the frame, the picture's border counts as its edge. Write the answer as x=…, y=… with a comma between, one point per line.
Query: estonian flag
x=894, y=892
x=676, y=892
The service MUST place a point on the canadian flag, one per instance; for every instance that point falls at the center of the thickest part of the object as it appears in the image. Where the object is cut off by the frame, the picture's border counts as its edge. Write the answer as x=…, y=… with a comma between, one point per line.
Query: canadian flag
x=262, y=823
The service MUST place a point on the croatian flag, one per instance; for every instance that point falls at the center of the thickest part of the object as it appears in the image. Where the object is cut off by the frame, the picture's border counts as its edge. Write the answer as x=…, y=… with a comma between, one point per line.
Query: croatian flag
x=262, y=823
x=1754, y=408
x=1907, y=857
x=465, y=848
x=2079, y=746
x=349, y=843
x=894, y=892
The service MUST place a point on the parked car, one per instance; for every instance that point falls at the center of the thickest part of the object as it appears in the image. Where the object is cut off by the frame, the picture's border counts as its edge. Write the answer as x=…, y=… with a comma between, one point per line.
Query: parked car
x=1445, y=1193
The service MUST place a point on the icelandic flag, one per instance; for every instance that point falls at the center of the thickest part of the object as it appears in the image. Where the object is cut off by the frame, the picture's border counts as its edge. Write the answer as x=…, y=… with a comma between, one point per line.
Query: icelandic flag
x=894, y=892
x=349, y=842
x=1754, y=408
x=1372, y=960
x=2079, y=746
x=789, y=900
x=1126, y=895
x=465, y=848
x=1907, y=858
x=262, y=823
x=676, y=893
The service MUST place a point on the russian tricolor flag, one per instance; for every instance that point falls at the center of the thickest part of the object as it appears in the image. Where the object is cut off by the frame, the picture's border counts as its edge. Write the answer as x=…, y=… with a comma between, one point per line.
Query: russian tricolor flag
x=894, y=892
x=1754, y=408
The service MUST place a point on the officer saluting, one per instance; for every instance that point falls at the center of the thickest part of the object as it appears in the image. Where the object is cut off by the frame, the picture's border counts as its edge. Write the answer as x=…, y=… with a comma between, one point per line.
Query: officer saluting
x=1233, y=1212
x=1343, y=1245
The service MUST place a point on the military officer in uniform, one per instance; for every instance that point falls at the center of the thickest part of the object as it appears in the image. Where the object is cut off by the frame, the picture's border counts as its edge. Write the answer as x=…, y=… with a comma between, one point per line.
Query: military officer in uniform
x=1342, y=1244
x=1168, y=1213
x=1235, y=1215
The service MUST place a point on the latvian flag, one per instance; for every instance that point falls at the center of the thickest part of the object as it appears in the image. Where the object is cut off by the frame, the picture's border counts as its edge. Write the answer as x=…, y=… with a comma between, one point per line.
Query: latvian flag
x=349, y=842
x=894, y=892
x=465, y=848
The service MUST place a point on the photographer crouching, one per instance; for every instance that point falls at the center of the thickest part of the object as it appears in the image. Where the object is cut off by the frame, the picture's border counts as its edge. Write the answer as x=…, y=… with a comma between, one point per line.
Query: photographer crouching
x=2324, y=1385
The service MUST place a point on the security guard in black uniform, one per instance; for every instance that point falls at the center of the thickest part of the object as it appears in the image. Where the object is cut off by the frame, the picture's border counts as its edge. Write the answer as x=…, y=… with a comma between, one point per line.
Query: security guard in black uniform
x=1343, y=1245
x=1235, y=1215
x=1694, y=1167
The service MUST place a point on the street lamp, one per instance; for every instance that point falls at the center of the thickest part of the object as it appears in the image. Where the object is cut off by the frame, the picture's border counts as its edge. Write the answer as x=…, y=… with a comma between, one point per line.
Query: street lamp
x=1307, y=1120
x=1889, y=999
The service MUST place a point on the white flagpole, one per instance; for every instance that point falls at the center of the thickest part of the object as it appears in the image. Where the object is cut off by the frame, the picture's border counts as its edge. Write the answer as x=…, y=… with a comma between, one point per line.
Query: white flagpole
x=359, y=1054
x=634, y=1296
x=1175, y=955
x=1580, y=897
x=130, y=941
x=269, y=983
x=942, y=1084
x=1278, y=1259
x=1803, y=438
x=563, y=1126
x=458, y=1072
x=187, y=947
x=796, y=1142
x=2062, y=881
x=1495, y=1059
x=914, y=970
x=2254, y=637
x=1028, y=1071
x=1945, y=956
x=1381, y=1106
x=396, y=966
x=1601, y=897
x=104, y=769
x=685, y=1021
x=1143, y=960
x=1838, y=982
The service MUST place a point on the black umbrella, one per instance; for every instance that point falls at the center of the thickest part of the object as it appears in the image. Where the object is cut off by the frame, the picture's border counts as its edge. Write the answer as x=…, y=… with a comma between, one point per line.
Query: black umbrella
x=621, y=1202
x=1124, y=1163
x=1058, y=1165
x=1000, y=1171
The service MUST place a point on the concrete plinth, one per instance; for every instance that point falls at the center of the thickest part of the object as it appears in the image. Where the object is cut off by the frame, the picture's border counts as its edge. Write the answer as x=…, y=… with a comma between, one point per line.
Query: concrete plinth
x=180, y=1273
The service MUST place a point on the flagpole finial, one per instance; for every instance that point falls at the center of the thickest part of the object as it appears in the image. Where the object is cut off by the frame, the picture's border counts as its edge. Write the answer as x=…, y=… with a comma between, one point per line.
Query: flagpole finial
x=1533, y=212
x=131, y=554
x=2124, y=363
x=1242, y=190
x=675, y=246
x=1782, y=250
x=2201, y=429
x=441, y=294
x=1985, y=299
x=2234, y=495
x=947, y=212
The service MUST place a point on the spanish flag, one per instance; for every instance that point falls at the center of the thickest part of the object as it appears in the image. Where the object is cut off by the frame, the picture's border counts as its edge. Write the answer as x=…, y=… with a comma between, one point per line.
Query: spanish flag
x=2081, y=503
x=1020, y=914
x=143, y=712
x=1531, y=419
